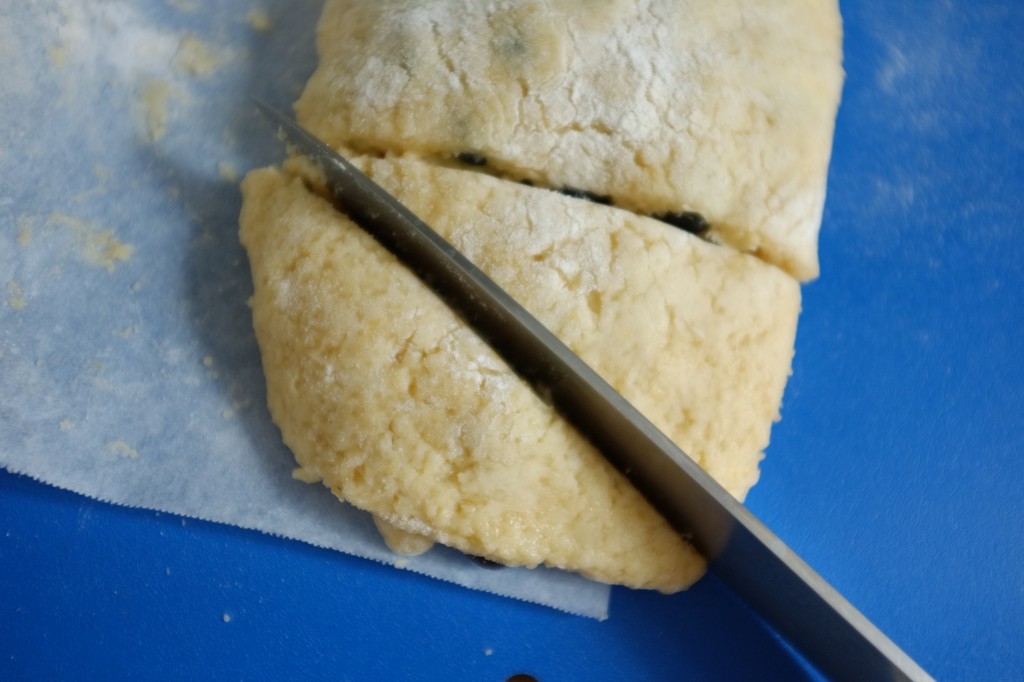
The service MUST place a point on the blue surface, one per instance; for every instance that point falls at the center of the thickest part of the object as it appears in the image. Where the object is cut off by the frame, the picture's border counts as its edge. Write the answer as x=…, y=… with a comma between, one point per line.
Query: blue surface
x=895, y=472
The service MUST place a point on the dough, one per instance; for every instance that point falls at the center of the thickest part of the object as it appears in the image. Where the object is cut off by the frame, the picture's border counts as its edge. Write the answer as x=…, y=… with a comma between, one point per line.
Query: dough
x=722, y=107
x=387, y=397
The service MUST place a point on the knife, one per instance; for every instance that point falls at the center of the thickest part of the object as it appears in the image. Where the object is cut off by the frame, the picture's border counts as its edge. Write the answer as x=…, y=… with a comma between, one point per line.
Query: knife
x=802, y=607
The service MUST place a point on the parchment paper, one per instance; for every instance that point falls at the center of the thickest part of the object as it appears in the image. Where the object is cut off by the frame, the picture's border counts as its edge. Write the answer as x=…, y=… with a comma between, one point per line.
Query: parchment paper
x=128, y=367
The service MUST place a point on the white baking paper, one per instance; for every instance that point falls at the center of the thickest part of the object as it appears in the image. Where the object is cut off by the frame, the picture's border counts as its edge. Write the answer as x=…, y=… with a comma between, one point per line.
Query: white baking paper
x=128, y=367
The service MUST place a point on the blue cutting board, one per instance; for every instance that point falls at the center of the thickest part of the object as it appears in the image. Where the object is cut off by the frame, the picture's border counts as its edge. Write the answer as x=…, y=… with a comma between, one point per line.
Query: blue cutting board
x=896, y=471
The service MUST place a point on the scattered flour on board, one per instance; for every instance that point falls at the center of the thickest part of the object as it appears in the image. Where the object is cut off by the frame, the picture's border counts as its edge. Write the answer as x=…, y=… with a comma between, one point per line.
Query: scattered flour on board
x=116, y=43
x=113, y=39
x=185, y=6
x=15, y=296
x=24, y=231
x=925, y=63
x=196, y=58
x=928, y=68
x=119, y=447
x=96, y=245
x=153, y=98
x=227, y=171
x=18, y=79
x=258, y=19
x=58, y=57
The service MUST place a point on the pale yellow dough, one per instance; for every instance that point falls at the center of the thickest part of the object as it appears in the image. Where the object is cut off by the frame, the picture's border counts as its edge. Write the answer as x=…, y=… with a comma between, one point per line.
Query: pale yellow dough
x=724, y=107
x=387, y=397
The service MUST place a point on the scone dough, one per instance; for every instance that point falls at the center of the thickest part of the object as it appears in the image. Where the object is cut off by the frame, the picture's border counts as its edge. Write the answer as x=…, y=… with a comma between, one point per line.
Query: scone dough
x=391, y=400
x=722, y=107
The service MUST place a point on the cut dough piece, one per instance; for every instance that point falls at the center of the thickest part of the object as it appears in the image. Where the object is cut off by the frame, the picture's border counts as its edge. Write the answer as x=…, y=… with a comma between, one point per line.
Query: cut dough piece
x=722, y=107
x=394, y=403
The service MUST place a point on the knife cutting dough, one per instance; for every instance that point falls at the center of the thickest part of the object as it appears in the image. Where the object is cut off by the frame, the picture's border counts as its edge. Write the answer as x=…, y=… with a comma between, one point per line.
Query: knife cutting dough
x=662, y=108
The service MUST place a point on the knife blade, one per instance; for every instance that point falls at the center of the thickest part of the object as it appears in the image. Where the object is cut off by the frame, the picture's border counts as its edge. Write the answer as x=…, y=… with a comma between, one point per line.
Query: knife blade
x=782, y=588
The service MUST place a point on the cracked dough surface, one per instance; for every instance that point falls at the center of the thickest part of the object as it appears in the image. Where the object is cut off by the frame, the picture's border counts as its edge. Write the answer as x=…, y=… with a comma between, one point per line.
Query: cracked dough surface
x=387, y=397
x=723, y=107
